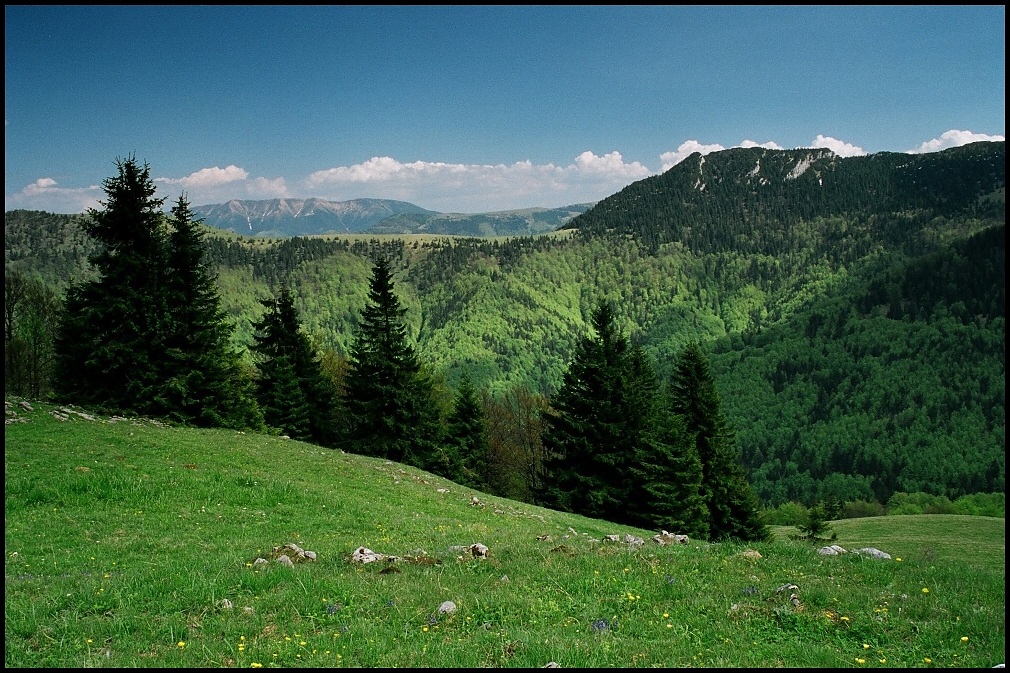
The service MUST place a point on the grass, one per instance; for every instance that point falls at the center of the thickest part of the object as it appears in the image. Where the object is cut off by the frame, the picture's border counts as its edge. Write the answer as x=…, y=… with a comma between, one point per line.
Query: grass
x=131, y=544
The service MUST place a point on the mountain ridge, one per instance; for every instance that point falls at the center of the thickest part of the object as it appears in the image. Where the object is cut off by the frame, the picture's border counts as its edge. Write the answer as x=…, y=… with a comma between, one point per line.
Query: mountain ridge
x=288, y=217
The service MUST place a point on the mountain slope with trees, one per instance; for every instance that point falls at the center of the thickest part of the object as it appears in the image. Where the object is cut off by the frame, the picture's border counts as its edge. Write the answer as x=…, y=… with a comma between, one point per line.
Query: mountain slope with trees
x=852, y=310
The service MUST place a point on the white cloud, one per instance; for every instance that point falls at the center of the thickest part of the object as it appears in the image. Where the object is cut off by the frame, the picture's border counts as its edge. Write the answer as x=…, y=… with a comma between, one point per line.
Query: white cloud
x=686, y=149
x=217, y=185
x=768, y=145
x=442, y=186
x=208, y=177
x=478, y=187
x=954, y=138
x=839, y=147
x=689, y=147
x=46, y=194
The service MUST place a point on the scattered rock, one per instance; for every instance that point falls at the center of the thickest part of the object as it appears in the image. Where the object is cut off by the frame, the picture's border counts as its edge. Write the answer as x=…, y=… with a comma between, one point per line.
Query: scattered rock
x=833, y=550
x=285, y=555
x=447, y=608
x=366, y=555
x=665, y=538
x=872, y=552
x=478, y=550
x=751, y=553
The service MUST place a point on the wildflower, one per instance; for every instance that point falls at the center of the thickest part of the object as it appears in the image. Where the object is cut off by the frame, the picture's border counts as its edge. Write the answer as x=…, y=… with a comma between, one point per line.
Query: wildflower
x=90, y=641
x=898, y=559
x=257, y=664
x=181, y=643
x=666, y=615
x=964, y=639
x=844, y=619
x=883, y=661
x=925, y=590
x=860, y=661
x=865, y=646
x=927, y=660
x=424, y=628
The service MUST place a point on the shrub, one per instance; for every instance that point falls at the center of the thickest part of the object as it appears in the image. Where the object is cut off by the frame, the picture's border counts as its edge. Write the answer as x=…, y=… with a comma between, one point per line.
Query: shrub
x=786, y=514
x=859, y=509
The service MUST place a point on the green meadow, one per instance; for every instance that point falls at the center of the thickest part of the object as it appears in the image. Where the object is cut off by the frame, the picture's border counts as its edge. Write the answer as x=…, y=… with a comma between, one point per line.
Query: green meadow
x=129, y=543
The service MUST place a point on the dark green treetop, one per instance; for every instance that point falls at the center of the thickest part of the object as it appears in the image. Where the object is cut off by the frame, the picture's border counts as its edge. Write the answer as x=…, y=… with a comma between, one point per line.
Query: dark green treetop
x=466, y=439
x=298, y=398
x=733, y=509
x=612, y=450
x=389, y=403
x=111, y=338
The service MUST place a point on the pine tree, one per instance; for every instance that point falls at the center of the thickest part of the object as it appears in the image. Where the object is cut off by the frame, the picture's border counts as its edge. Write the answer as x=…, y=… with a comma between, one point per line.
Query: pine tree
x=297, y=397
x=206, y=385
x=584, y=433
x=466, y=439
x=388, y=401
x=110, y=343
x=666, y=471
x=732, y=507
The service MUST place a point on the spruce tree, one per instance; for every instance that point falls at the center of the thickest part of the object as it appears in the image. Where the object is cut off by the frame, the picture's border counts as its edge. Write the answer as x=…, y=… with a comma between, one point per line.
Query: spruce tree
x=732, y=507
x=613, y=450
x=206, y=385
x=466, y=439
x=388, y=401
x=297, y=397
x=586, y=448
x=111, y=340
x=666, y=471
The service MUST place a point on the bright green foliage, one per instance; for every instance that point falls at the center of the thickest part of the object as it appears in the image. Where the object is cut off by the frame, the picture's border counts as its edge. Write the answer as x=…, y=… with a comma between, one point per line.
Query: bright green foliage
x=612, y=450
x=298, y=399
x=733, y=509
x=389, y=402
x=112, y=335
x=466, y=444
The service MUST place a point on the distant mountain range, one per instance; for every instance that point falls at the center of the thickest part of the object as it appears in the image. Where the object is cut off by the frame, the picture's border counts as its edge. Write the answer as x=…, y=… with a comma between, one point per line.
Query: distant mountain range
x=280, y=218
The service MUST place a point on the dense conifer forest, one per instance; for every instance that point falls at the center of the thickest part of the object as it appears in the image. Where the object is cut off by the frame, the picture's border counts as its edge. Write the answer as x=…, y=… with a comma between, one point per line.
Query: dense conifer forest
x=851, y=313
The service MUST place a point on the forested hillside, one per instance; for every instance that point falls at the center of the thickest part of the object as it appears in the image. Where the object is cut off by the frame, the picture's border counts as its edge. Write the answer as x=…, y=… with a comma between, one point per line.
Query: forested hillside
x=853, y=309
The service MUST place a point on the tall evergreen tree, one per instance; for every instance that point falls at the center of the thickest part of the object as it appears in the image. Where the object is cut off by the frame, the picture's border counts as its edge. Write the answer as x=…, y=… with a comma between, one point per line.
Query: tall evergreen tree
x=613, y=448
x=732, y=507
x=466, y=439
x=666, y=471
x=206, y=384
x=296, y=395
x=390, y=409
x=585, y=438
x=111, y=337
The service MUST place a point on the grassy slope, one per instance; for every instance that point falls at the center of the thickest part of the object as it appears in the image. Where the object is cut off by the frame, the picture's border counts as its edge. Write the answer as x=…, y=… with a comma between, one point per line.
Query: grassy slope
x=122, y=539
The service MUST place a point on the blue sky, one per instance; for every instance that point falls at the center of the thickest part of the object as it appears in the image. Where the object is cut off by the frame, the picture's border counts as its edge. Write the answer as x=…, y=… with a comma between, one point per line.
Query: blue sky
x=472, y=109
